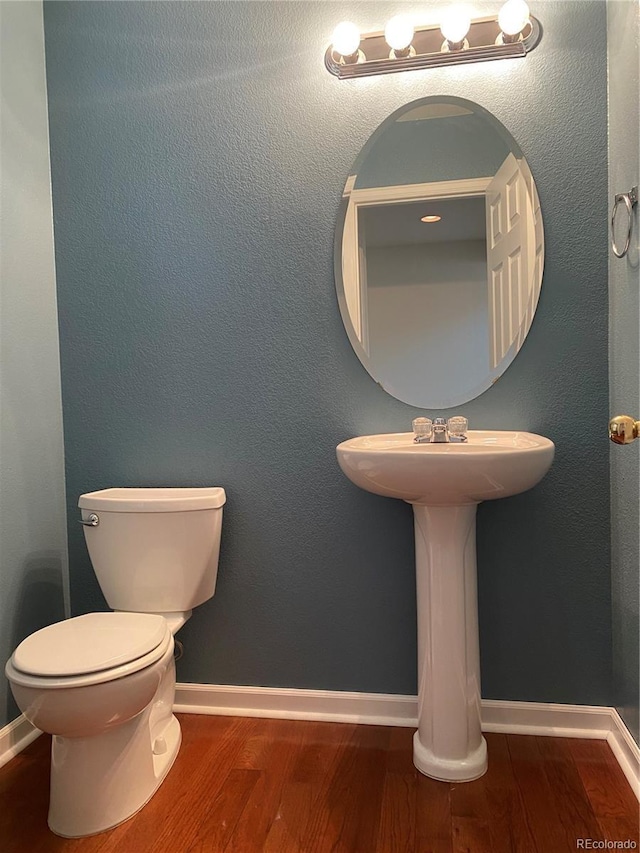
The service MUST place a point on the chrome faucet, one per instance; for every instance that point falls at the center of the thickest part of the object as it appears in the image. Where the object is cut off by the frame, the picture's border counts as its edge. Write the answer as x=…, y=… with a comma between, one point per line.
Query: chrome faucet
x=440, y=431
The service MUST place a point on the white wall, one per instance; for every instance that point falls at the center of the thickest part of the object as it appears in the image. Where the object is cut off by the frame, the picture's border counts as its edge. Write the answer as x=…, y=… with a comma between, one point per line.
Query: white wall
x=33, y=542
x=413, y=288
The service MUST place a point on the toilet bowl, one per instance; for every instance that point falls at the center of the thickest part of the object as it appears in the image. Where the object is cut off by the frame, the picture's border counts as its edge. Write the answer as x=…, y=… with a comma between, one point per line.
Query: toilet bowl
x=103, y=684
x=103, y=717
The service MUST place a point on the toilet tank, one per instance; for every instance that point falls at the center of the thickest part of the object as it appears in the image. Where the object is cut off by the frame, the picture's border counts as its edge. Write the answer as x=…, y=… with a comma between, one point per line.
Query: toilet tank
x=154, y=550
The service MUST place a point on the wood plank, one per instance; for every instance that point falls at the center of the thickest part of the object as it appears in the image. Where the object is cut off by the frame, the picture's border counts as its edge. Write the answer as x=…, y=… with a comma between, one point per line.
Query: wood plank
x=24, y=789
x=313, y=766
x=488, y=814
x=508, y=822
x=576, y=813
x=220, y=820
x=399, y=756
x=470, y=835
x=542, y=809
x=291, y=819
x=415, y=810
x=470, y=818
x=397, y=830
x=614, y=803
x=273, y=754
x=434, y=832
x=321, y=747
x=349, y=810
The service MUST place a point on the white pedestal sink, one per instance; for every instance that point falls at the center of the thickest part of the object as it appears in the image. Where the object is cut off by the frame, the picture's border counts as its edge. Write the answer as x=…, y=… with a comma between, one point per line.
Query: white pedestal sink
x=445, y=482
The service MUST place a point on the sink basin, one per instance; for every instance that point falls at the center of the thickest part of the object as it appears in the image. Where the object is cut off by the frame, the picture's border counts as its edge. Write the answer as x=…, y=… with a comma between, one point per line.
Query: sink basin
x=445, y=483
x=492, y=464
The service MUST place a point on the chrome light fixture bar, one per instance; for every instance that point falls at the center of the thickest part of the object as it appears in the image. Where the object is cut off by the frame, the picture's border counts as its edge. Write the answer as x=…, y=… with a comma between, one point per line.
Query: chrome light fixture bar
x=430, y=49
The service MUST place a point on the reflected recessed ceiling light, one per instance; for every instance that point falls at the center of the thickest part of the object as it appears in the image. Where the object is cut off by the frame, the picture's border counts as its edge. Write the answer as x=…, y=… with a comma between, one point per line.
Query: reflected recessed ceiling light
x=433, y=218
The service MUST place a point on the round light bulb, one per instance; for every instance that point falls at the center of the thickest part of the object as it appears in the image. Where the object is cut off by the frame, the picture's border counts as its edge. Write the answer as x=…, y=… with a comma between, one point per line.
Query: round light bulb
x=399, y=32
x=513, y=17
x=455, y=24
x=346, y=39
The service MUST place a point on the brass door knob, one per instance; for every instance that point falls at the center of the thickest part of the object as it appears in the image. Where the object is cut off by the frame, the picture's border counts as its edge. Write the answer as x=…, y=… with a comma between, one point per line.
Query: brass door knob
x=623, y=429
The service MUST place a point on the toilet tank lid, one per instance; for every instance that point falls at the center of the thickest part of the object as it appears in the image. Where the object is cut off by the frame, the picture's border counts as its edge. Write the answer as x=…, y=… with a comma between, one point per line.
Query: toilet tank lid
x=153, y=500
x=90, y=643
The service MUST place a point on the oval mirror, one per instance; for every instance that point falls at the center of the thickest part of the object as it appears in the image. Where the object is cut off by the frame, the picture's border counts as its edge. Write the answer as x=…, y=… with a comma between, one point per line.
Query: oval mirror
x=439, y=252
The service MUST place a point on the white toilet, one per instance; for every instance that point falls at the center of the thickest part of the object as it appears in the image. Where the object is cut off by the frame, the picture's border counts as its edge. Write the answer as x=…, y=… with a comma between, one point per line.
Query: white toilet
x=103, y=684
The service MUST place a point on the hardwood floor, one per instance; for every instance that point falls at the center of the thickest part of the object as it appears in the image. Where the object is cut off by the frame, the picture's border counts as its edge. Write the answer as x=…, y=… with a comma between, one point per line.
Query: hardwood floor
x=245, y=785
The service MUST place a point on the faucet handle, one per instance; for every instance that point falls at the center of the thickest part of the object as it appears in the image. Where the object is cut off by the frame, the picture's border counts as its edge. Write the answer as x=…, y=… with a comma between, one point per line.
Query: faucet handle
x=458, y=427
x=422, y=428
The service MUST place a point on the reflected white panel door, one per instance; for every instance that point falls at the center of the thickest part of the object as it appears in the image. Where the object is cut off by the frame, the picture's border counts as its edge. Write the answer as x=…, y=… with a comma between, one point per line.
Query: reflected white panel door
x=354, y=268
x=510, y=250
x=362, y=286
x=535, y=280
x=351, y=260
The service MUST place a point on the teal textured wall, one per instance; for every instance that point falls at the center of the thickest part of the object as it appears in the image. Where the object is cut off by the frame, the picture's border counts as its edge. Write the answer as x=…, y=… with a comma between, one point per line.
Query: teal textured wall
x=199, y=151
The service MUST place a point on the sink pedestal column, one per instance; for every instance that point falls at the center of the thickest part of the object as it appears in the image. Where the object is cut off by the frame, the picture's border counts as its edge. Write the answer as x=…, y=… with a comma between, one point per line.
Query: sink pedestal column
x=448, y=744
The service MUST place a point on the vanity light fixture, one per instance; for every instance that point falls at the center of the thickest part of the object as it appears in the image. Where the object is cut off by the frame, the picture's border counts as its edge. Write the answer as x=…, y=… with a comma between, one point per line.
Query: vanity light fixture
x=431, y=218
x=457, y=39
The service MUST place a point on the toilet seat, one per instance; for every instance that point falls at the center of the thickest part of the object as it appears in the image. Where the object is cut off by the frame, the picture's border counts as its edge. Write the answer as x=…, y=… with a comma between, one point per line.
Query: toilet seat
x=89, y=649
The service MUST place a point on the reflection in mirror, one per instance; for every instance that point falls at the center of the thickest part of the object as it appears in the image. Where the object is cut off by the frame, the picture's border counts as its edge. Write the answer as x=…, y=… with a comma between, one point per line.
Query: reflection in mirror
x=439, y=252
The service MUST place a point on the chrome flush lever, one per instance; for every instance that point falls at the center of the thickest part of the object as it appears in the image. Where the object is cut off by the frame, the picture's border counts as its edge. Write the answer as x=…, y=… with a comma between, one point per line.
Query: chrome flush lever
x=91, y=520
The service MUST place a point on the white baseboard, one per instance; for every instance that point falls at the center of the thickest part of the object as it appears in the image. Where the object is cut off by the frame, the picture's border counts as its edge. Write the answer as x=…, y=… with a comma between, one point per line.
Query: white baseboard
x=336, y=706
x=546, y=719
x=14, y=737
x=528, y=718
x=380, y=709
x=626, y=750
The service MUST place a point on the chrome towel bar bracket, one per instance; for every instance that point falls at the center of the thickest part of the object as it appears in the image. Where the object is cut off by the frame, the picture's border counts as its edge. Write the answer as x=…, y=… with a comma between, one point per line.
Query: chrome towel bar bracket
x=629, y=200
